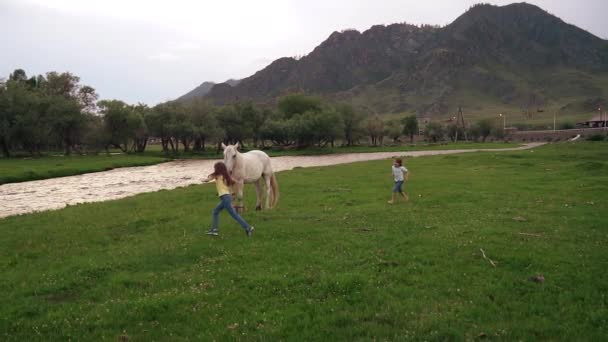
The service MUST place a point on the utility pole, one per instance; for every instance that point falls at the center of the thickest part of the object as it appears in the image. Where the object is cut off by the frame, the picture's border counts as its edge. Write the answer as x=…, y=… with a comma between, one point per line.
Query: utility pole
x=554, y=119
x=460, y=121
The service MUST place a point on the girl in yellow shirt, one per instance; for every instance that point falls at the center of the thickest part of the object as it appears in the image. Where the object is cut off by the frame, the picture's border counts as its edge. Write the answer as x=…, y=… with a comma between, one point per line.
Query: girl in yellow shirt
x=223, y=181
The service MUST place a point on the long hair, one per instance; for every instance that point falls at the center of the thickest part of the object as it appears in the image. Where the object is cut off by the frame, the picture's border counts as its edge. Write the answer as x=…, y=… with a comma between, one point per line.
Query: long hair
x=219, y=169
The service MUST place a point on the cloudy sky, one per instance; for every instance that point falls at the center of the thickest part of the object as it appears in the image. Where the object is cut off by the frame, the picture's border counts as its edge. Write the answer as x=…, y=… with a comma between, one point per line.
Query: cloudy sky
x=152, y=51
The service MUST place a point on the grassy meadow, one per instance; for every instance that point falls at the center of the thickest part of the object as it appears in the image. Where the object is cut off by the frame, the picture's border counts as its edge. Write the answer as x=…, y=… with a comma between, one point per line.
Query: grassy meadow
x=14, y=170
x=333, y=262
x=570, y=95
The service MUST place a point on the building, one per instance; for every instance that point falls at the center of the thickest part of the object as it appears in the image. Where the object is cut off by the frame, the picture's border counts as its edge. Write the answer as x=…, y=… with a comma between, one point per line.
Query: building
x=595, y=122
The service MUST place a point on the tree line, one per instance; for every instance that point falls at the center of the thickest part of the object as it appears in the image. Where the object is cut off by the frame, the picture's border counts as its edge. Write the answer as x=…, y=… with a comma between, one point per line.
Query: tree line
x=56, y=112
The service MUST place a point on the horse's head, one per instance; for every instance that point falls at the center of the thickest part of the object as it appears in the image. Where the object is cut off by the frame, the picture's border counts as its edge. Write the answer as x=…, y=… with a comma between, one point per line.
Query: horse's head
x=230, y=153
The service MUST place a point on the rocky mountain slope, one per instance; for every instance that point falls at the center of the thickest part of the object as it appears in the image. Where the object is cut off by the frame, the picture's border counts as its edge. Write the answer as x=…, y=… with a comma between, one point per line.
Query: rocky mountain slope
x=516, y=57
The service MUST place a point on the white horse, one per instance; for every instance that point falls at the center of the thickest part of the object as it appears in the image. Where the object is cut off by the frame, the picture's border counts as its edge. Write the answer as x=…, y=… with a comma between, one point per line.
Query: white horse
x=251, y=167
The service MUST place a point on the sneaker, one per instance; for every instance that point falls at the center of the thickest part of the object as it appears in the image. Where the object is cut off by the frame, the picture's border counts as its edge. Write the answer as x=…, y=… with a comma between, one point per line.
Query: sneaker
x=249, y=231
x=213, y=232
x=391, y=202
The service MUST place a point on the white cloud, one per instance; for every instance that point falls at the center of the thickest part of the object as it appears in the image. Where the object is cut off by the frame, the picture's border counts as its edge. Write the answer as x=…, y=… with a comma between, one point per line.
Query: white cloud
x=164, y=57
x=176, y=51
x=184, y=46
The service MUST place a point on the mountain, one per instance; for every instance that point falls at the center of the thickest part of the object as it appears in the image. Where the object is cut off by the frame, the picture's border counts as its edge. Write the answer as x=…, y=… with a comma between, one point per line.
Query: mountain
x=204, y=89
x=511, y=58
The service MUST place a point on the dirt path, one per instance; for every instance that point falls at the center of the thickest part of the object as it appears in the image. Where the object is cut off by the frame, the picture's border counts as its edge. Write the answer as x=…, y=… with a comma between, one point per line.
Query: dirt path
x=56, y=193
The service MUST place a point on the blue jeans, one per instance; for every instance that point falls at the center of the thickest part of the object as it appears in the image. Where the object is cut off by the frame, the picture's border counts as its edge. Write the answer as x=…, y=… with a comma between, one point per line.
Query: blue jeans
x=226, y=203
x=397, y=187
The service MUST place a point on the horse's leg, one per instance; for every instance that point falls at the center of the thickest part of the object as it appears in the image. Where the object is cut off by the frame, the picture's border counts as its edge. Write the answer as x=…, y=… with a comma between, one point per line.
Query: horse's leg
x=258, y=194
x=239, y=194
x=268, y=190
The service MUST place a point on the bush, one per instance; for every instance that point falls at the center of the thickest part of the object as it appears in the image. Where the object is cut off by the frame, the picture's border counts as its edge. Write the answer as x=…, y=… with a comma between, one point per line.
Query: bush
x=566, y=125
x=434, y=132
x=596, y=137
x=522, y=126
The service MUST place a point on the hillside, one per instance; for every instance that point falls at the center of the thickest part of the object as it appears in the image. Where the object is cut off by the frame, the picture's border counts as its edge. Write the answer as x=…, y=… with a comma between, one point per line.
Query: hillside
x=204, y=89
x=517, y=59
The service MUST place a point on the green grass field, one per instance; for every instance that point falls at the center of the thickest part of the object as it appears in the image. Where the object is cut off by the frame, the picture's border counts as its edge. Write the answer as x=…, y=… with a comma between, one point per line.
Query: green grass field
x=333, y=262
x=26, y=169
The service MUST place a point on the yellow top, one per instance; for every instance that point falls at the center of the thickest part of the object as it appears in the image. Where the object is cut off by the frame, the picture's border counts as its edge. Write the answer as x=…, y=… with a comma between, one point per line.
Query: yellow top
x=222, y=188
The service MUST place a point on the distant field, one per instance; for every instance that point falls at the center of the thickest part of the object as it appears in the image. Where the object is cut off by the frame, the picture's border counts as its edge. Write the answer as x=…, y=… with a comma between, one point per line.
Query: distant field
x=561, y=92
x=333, y=261
x=26, y=169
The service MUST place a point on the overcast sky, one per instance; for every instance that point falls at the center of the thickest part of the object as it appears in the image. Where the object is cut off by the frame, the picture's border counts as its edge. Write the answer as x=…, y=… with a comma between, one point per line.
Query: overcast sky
x=153, y=51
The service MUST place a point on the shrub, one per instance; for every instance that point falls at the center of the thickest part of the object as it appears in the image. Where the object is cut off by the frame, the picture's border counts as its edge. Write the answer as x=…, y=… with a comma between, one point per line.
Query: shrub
x=434, y=132
x=596, y=137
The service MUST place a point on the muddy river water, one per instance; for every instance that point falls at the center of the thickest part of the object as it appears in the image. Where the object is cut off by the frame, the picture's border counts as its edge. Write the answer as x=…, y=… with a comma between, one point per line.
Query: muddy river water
x=56, y=193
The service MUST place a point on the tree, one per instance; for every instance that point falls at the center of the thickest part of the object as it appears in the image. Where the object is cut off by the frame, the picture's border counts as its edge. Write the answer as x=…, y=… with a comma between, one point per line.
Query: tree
x=68, y=121
x=351, y=121
x=393, y=130
x=204, y=122
x=326, y=126
x=70, y=104
x=484, y=128
x=302, y=129
x=291, y=105
x=96, y=137
x=454, y=132
x=137, y=124
x=23, y=121
x=410, y=127
x=38, y=111
x=375, y=130
x=182, y=128
x=278, y=130
x=87, y=98
x=251, y=120
x=255, y=117
x=18, y=75
x=434, y=131
x=119, y=122
x=234, y=125
x=159, y=123
x=62, y=84
x=16, y=107
x=6, y=121
x=125, y=125
x=31, y=119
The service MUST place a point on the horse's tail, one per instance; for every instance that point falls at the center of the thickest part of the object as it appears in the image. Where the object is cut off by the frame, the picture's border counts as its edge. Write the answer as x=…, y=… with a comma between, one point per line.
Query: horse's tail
x=274, y=187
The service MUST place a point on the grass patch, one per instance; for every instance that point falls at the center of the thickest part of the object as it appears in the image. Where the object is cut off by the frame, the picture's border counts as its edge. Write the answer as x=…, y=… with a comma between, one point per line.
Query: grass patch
x=14, y=170
x=334, y=261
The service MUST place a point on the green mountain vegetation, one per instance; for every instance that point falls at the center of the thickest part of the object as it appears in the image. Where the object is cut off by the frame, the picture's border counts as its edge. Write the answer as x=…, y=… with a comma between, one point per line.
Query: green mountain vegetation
x=517, y=59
